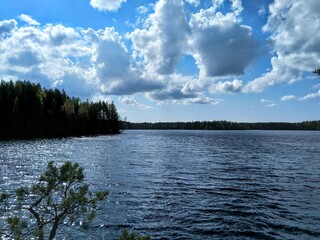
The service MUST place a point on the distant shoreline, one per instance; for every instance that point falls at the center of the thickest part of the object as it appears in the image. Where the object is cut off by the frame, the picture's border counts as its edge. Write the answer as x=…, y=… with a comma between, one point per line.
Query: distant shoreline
x=224, y=125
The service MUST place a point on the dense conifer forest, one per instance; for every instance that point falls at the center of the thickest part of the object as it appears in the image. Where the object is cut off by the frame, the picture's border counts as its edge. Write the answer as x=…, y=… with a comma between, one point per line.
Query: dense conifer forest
x=29, y=111
x=226, y=125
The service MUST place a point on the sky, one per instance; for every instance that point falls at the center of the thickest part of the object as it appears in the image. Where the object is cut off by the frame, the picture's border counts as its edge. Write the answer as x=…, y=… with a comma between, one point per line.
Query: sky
x=171, y=60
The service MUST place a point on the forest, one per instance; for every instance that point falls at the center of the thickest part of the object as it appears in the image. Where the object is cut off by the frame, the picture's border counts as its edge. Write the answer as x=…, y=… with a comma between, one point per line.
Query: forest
x=29, y=111
x=226, y=125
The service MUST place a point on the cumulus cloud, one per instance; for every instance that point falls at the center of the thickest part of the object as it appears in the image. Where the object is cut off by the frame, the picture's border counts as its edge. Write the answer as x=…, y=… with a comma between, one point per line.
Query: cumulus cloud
x=236, y=6
x=84, y=62
x=310, y=96
x=113, y=64
x=220, y=44
x=193, y=2
x=100, y=62
x=29, y=20
x=28, y=53
x=131, y=101
x=107, y=5
x=295, y=40
x=202, y=100
x=27, y=58
x=288, y=98
x=268, y=103
x=170, y=94
x=7, y=26
x=162, y=42
x=60, y=35
x=227, y=86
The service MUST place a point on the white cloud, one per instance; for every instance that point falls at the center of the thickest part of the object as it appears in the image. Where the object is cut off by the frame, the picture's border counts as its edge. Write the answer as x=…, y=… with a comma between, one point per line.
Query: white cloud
x=220, y=44
x=114, y=67
x=84, y=62
x=29, y=54
x=216, y=4
x=193, y=2
x=202, y=100
x=236, y=6
x=310, y=96
x=29, y=20
x=133, y=102
x=27, y=58
x=295, y=38
x=7, y=26
x=60, y=35
x=268, y=103
x=171, y=93
x=288, y=98
x=159, y=44
x=98, y=63
x=317, y=86
x=142, y=9
x=107, y=5
x=262, y=11
x=227, y=86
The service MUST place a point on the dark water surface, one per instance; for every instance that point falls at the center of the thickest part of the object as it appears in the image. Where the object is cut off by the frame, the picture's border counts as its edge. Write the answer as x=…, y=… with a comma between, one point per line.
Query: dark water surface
x=188, y=184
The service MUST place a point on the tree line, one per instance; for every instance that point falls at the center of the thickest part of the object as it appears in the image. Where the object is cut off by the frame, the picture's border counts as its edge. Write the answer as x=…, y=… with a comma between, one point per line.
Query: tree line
x=225, y=125
x=29, y=111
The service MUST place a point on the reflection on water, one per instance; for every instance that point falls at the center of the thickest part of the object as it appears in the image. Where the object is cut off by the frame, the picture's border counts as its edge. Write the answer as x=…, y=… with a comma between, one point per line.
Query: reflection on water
x=188, y=184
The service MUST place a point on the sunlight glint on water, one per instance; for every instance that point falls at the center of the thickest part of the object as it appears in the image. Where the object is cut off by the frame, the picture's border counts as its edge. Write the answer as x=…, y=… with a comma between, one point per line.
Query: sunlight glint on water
x=188, y=184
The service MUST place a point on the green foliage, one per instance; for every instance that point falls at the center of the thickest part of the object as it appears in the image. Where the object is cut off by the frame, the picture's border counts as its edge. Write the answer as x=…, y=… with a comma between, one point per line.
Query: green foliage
x=16, y=226
x=29, y=111
x=60, y=196
x=126, y=235
x=317, y=71
x=225, y=125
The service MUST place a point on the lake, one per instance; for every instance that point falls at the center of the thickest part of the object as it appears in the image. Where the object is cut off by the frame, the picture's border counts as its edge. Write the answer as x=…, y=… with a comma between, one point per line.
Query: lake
x=188, y=184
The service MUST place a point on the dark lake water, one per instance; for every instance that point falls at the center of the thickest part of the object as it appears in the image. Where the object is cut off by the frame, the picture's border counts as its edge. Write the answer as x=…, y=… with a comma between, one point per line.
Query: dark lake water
x=188, y=184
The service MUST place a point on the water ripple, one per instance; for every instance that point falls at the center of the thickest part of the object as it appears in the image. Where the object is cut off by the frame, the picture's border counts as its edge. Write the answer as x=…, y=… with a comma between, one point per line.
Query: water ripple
x=188, y=184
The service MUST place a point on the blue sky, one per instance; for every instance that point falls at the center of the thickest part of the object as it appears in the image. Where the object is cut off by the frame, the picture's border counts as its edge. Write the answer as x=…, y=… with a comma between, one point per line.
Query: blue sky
x=171, y=60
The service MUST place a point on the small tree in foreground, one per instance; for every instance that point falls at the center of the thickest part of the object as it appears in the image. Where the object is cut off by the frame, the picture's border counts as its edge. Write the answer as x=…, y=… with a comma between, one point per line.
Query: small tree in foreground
x=58, y=199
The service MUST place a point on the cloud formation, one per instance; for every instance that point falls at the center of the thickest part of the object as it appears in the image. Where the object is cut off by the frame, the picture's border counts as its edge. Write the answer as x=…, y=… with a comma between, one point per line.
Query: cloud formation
x=310, y=96
x=86, y=62
x=268, y=103
x=113, y=65
x=92, y=63
x=49, y=55
x=7, y=26
x=193, y=2
x=220, y=44
x=295, y=38
x=29, y=20
x=227, y=86
x=131, y=101
x=107, y=5
x=202, y=100
x=95, y=62
x=288, y=98
x=161, y=43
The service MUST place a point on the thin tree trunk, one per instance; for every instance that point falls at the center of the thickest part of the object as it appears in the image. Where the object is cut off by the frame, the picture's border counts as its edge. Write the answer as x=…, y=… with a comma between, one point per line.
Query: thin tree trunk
x=54, y=229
